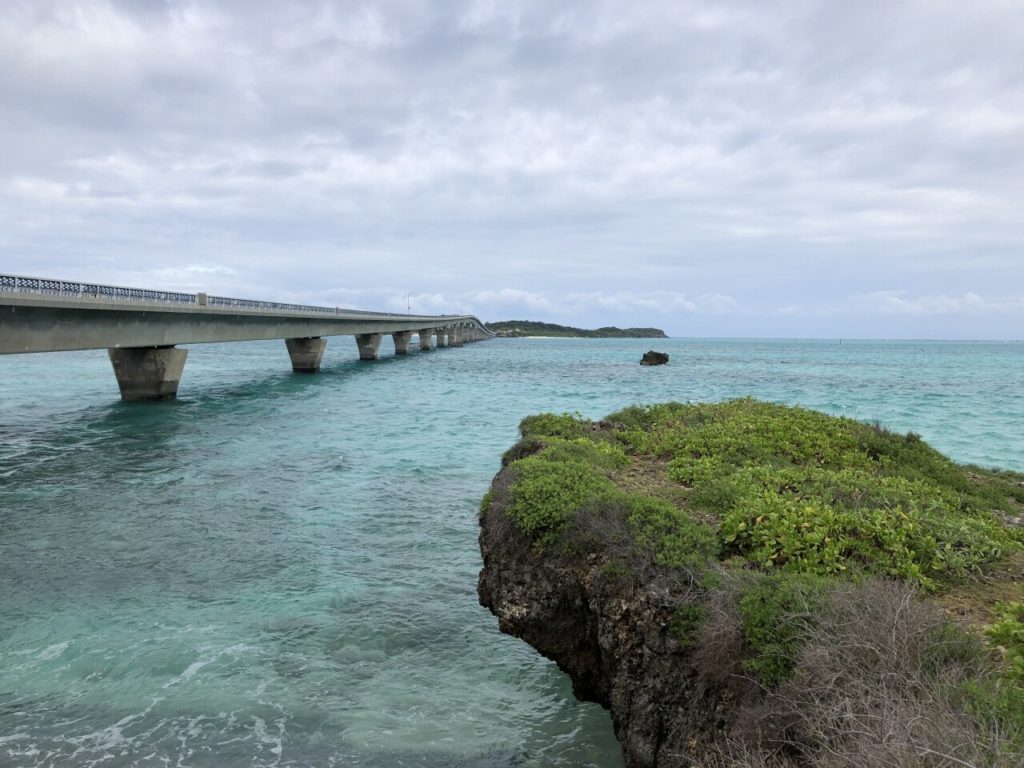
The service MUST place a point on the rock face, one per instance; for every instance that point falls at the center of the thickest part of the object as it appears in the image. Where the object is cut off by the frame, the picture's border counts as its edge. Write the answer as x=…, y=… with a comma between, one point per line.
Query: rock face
x=654, y=358
x=612, y=636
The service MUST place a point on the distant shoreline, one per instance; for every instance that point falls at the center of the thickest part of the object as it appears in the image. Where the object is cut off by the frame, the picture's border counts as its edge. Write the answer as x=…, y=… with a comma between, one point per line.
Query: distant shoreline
x=535, y=329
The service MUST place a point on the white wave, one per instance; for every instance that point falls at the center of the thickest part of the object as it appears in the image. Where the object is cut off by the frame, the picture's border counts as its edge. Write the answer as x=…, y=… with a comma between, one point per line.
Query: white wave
x=53, y=651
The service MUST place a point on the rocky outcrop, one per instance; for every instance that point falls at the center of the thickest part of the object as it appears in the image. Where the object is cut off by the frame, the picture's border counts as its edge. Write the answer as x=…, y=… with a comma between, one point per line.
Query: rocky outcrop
x=654, y=358
x=613, y=636
x=608, y=563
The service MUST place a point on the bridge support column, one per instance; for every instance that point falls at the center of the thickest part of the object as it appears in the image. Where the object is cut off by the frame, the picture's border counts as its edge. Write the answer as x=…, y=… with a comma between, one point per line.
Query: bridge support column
x=306, y=353
x=426, y=338
x=148, y=373
x=442, y=337
x=455, y=337
x=401, y=339
x=368, y=344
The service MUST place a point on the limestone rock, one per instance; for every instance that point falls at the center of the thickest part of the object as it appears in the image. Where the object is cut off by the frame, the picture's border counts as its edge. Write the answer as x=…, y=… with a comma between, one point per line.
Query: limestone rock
x=613, y=637
x=654, y=358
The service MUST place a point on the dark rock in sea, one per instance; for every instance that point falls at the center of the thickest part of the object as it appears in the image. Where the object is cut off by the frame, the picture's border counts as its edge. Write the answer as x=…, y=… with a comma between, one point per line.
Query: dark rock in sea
x=654, y=358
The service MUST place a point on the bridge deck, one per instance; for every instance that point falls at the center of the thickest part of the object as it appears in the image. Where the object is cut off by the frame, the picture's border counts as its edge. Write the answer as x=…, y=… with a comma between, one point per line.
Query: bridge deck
x=141, y=328
x=38, y=315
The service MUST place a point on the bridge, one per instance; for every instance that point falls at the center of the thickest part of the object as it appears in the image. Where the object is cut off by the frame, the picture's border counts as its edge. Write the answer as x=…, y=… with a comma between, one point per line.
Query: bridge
x=141, y=329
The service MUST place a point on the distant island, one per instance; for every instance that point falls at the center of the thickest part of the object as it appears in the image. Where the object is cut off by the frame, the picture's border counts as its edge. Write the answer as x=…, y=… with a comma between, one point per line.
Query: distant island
x=511, y=328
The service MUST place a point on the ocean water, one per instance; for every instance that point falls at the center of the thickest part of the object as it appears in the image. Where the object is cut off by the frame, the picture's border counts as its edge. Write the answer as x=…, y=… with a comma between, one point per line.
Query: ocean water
x=280, y=570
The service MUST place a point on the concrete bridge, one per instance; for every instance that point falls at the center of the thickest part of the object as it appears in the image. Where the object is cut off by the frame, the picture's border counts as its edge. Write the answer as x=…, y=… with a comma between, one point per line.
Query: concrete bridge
x=141, y=329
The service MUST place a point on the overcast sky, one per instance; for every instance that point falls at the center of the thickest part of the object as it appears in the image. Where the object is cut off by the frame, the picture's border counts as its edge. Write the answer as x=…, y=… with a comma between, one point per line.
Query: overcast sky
x=711, y=168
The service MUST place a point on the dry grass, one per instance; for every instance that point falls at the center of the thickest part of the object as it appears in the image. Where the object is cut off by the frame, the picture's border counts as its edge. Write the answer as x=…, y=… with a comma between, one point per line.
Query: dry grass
x=720, y=648
x=875, y=686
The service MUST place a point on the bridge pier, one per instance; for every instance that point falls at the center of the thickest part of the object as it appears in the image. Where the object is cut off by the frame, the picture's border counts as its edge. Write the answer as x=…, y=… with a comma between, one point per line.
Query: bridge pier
x=306, y=353
x=426, y=338
x=368, y=344
x=442, y=337
x=401, y=339
x=455, y=337
x=148, y=373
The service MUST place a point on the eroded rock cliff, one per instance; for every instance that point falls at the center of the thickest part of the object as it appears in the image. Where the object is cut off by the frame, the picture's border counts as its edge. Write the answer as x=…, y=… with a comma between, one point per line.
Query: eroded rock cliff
x=613, y=636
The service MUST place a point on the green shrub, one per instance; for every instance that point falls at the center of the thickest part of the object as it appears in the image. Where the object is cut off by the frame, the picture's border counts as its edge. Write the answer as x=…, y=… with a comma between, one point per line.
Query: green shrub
x=697, y=470
x=741, y=432
x=525, y=447
x=600, y=453
x=1008, y=632
x=633, y=417
x=545, y=494
x=720, y=495
x=544, y=425
x=998, y=705
x=686, y=622
x=807, y=492
x=777, y=613
x=675, y=538
x=615, y=570
x=794, y=490
x=645, y=416
x=820, y=521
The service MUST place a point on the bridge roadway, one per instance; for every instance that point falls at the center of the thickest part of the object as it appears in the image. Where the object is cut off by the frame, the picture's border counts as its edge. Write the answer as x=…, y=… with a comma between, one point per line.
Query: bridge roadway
x=141, y=328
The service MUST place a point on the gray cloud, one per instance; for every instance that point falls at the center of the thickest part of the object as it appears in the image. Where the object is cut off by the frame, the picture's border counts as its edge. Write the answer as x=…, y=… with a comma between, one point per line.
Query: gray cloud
x=705, y=166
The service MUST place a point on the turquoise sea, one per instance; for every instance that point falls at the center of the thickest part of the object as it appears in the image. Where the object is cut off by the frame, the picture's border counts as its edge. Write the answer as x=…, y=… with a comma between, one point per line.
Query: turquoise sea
x=280, y=570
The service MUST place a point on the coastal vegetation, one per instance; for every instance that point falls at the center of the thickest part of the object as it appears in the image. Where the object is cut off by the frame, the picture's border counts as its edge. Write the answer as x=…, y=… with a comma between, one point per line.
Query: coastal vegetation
x=843, y=595
x=519, y=328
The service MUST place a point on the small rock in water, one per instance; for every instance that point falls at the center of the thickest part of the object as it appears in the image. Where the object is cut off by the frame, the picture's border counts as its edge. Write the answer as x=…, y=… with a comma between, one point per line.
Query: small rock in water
x=654, y=358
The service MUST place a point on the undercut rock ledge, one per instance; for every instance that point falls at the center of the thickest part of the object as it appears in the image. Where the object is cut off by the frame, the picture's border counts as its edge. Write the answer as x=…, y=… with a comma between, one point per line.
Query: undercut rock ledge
x=611, y=636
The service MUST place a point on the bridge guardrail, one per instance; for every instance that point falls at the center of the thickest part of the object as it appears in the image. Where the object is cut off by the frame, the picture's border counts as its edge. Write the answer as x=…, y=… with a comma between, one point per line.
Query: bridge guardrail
x=38, y=285
x=71, y=289
x=223, y=301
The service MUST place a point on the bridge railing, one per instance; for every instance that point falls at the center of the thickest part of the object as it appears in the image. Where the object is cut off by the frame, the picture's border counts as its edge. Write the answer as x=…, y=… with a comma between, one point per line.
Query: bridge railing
x=65, y=288
x=274, y=306
x=74, y=290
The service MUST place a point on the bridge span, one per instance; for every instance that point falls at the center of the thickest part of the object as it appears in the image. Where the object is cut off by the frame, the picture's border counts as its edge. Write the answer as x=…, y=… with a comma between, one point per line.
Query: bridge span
x=141, y=329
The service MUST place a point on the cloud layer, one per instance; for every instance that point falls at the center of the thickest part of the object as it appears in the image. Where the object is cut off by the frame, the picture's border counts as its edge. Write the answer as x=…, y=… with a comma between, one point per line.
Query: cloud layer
x=715, y=168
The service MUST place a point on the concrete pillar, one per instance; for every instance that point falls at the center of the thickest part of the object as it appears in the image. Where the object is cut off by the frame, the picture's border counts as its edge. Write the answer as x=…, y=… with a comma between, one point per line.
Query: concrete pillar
x=442, y=337
x=401, y=339
x=425, y=338
x=368, y=344
x=455, y=337
x=306, y=353
x=148, y=373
